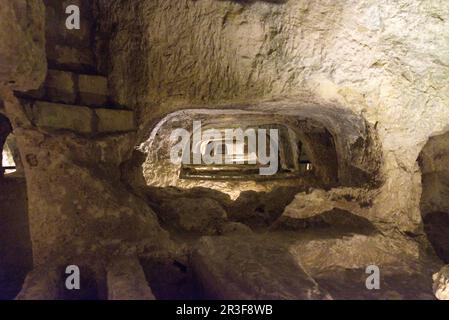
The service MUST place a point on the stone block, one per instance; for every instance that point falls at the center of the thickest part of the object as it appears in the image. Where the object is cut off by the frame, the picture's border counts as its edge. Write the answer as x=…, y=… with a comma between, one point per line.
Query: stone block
x=111, y=120
x=59, y=116
x=22, y=44
x=206, y=216
x=229, y=267
x=72, y=58
x=93, y=90
x=60, y=86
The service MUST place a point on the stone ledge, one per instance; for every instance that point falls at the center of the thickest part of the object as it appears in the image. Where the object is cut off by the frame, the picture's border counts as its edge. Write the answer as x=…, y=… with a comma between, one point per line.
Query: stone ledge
x=93, y=89
x=71, y=58
x=60, y=86
x=81, y=119
x=60, y=116
x=112, y=120
x=72, y=88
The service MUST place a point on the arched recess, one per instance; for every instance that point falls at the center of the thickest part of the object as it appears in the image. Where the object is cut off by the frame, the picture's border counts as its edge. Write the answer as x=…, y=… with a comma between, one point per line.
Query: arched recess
x=15, y=243
x=434, y=163
x=300, y=140
x=342, y=146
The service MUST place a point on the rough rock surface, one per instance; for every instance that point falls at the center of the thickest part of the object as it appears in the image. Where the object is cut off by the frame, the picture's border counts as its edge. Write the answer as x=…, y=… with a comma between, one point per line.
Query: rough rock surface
x=374, y=74
x=250, y=267
x=307, y=206
x=354, y=144
x=80, y=119
x=205, y=216
x=103, y=215
x=77, y=204
x=254, y=209
x=235, y=227
x=23, y=63
x=386, y=61
x=291, y=266
x=441, y=284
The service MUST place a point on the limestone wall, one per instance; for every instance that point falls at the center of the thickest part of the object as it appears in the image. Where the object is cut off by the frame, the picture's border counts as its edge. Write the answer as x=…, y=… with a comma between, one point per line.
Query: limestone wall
x=385, y=60
x=373, y=73
x=22, y=44
x=69, y=133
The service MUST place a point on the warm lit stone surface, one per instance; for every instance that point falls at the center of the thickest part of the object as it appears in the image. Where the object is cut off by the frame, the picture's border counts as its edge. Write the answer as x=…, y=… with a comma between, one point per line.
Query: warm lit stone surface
x=72, y=57
x=112, y=120
x=371, y=75
x=72, y=185
x=356, y=146
x=72, y=88
x=193, y=215
x=58, y=116
x=81, y=119
x=313, y=204
x=60, y=86
x=386, y=61
x=93, y=90
x=250, y=267
x=441, y=284
x=22, y=44
x=291, y=266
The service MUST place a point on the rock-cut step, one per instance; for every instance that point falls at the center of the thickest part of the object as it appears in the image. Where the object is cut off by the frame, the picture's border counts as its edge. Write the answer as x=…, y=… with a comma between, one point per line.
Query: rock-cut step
x=73, y=88
x=80, y=119
x=250, y=267
x=313, y=266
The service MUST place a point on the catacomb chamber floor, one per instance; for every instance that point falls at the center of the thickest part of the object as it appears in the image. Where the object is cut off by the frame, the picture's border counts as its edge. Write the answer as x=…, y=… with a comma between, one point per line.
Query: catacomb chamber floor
x=285, y=265
x=314, y=259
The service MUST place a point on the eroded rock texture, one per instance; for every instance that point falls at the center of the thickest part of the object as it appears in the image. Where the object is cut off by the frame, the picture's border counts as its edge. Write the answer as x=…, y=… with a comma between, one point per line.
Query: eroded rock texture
x=72, y=153
x=79, y=210
x=268, y=272
x=292, y=266
x=22, y=44
x=101, y=213
x=434, y=161
x=383, y=60
x=361, y=86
